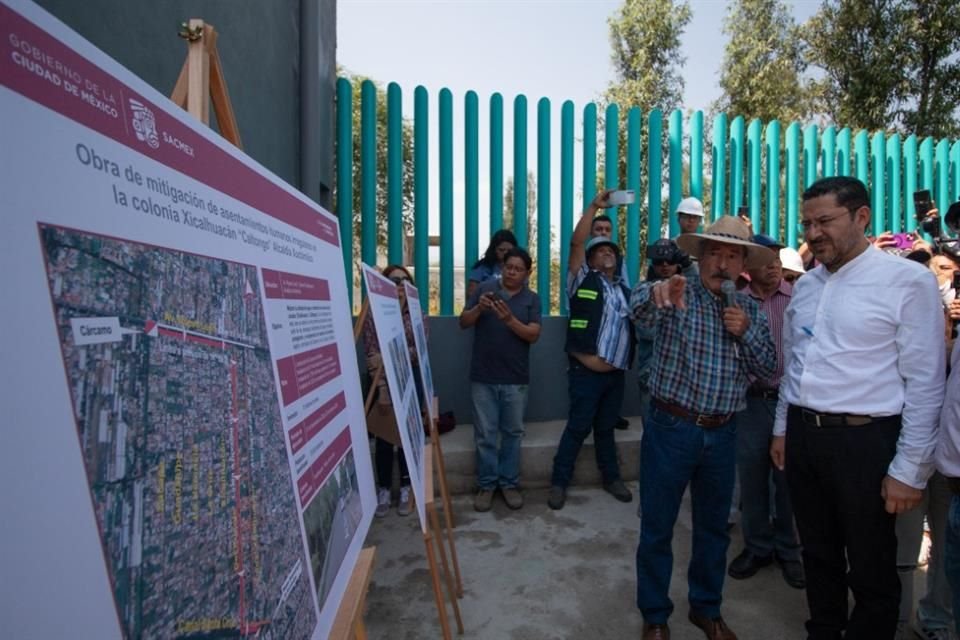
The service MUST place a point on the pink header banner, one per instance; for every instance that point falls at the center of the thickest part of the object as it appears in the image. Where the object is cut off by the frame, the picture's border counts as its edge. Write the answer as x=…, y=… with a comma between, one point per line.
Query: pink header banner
x=290, y=286
x=45, y=70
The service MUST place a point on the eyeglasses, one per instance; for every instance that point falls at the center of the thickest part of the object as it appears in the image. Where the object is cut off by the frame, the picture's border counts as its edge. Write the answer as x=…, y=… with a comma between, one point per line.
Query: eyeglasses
x=790, y=277
x=823, y=221
x=398, y=280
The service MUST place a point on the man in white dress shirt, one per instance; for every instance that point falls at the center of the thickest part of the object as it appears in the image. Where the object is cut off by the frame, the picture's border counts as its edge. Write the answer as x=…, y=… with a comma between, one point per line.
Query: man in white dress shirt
x=856, y=421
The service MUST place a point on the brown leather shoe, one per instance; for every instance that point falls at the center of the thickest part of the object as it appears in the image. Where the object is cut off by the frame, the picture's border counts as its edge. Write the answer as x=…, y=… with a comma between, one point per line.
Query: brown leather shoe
x=714, y=628
x=655, y=632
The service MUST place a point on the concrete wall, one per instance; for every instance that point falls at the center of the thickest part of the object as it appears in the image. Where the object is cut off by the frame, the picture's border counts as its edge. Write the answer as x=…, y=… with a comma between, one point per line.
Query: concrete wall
x=261, y=52
x=450, y=349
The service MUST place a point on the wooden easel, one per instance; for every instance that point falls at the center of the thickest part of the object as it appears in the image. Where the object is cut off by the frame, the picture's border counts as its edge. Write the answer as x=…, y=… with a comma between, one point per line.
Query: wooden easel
x=434, y=531
x=348, y=622
x=201, y=81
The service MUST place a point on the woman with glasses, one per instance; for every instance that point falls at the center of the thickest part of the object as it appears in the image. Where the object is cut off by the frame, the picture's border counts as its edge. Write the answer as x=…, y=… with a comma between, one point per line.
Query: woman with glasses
x=384, y=451
x=491, y=264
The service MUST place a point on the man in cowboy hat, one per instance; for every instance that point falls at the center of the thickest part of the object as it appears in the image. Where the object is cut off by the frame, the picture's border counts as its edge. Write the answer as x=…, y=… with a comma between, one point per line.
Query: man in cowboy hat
x=708, y=342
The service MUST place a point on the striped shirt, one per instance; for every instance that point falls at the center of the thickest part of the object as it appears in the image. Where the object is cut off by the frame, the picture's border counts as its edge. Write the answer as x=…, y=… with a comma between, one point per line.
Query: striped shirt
x=773, y=308
x=697, y=363
x=613, y=339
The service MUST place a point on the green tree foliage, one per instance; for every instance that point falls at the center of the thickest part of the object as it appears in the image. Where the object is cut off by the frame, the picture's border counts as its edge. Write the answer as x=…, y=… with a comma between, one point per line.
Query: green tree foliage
x=888, y=65
x=406, y=192
x=856, y=44
x=645, y=43
x=932, y=37
x=763, y=63
x=647, y=61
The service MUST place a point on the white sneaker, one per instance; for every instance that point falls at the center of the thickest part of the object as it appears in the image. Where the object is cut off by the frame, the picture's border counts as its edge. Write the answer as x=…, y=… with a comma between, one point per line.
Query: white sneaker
x=405, y=504
x=383, y=503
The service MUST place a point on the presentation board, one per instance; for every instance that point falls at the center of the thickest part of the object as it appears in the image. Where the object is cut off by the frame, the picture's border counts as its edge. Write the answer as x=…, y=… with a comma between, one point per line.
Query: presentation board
x=185, y=449
x=394, y=352
x=420, y=337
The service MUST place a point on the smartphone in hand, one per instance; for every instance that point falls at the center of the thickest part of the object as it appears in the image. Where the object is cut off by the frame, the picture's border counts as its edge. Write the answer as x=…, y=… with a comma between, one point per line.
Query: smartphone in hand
x=922, y=203
x=622, y=197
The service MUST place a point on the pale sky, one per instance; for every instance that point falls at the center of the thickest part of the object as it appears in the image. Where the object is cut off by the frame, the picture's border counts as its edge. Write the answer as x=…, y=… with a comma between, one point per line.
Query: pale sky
x=557, y=49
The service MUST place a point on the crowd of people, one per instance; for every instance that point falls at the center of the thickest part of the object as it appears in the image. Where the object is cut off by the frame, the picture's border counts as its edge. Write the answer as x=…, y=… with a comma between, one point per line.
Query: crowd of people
x=815, y=390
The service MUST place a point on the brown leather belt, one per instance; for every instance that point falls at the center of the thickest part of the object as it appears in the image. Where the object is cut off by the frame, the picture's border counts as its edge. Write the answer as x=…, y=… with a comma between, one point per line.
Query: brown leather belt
x=700, y=419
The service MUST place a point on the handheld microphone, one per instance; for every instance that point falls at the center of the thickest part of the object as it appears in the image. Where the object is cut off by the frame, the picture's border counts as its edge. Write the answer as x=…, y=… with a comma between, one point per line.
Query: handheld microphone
x=729, y=291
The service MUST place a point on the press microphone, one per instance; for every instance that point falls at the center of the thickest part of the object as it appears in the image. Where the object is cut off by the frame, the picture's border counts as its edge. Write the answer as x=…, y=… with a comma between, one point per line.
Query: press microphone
x=729, y=291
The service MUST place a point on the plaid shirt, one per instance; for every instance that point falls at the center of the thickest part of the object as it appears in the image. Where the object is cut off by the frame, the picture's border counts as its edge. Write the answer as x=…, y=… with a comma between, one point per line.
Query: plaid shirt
x=697, y=364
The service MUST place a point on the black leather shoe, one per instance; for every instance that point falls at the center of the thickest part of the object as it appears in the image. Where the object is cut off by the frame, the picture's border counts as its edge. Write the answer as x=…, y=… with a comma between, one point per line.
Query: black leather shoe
x=793, y=573
x=747, y=564
x=622, y=423
x=618, y=490
x=558, y=496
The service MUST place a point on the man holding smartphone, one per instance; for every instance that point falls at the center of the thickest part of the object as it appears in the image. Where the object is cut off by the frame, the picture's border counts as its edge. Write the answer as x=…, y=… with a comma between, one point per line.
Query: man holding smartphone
x=600, y=347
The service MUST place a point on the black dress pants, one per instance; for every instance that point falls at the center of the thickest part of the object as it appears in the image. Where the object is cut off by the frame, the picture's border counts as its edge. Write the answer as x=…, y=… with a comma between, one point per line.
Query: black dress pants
x=835, y=476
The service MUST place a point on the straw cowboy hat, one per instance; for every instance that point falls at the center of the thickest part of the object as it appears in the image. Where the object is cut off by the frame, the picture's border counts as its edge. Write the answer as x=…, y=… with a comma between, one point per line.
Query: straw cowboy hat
x=728, y=230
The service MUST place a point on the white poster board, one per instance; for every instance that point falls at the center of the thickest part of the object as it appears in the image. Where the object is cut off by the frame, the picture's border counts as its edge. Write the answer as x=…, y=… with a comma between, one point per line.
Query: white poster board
x=420, y=337
x=185, y=450
x=391, y=337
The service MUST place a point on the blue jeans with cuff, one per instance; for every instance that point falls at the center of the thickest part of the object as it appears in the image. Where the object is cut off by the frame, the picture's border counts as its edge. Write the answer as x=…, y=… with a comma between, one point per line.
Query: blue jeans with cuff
x=675, y=452
x=498, y=432
x=595, y=400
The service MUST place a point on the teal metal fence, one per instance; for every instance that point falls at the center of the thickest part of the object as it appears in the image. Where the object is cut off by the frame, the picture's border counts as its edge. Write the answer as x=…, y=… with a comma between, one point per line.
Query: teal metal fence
x=750, y=163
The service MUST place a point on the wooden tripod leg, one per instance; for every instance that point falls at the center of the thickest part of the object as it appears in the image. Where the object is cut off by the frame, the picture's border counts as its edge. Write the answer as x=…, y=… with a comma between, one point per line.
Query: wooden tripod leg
x=442, y=470
x=447, y=512
x=451, y=588
x=435, y=579
x=348, y=622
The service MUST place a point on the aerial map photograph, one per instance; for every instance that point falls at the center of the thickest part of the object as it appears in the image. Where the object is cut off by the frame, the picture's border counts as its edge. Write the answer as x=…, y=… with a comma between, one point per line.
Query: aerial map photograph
x=178, y=425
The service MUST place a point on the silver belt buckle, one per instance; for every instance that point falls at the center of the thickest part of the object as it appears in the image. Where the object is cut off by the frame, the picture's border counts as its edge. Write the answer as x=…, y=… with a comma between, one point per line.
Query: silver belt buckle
x=816, y=417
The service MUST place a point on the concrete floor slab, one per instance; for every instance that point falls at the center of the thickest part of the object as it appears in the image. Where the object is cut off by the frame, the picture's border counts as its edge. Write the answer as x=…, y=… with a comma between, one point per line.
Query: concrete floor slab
x=537, y=574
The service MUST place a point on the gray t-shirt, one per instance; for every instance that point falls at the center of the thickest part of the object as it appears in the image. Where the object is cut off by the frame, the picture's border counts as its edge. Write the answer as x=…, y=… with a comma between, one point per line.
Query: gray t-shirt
x=499, y=355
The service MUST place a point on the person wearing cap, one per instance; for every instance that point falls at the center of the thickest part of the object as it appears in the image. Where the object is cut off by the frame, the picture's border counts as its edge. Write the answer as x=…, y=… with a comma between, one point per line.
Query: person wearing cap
x=602, y=225
x=856, y=420
x=792, y=264
x=689, y=215
x=600, y=348
x=709, y=341
x=666, y=259
x=768, y=533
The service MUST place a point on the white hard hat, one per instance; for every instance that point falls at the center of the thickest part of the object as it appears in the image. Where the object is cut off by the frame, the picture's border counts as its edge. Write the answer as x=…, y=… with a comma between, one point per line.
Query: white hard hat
x=791, y=261
x=691, y=206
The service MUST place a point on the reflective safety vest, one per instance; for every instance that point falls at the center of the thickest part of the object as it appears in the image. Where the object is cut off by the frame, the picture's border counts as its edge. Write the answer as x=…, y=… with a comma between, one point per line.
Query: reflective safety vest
x=586, y=313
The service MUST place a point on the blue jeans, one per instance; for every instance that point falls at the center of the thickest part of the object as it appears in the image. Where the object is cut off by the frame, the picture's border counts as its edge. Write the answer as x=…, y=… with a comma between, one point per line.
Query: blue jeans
x=595, y=400
x=673, y=454
x=762, y=536
x=952, y=555
x=498, y=415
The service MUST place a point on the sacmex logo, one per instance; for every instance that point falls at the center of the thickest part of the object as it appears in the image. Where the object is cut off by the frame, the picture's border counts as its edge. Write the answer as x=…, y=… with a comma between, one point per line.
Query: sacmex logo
x=144, y=124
